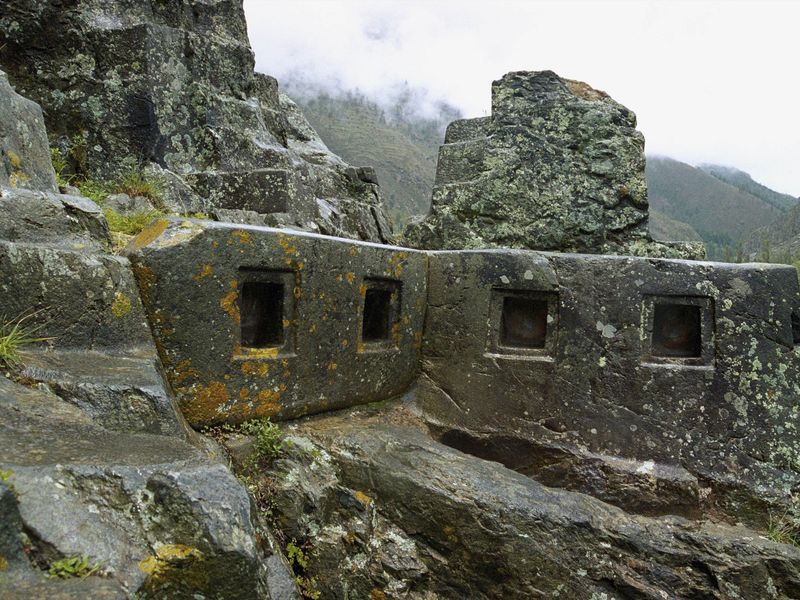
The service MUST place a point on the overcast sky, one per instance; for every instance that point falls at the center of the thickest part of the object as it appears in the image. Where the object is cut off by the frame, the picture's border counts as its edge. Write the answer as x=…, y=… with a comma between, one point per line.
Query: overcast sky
x=709, y=81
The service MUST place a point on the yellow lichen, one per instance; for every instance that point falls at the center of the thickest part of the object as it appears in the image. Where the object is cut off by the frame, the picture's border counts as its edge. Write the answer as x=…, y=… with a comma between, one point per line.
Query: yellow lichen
x=14, y=159
x=255, y=368
x=332, y=366
x=243, y=236
x=201, y=408
x=122, y=305
x=230, y=305
x=204, y=272
x=350, y=276
x=175, y=564
x=3, y=563
x=149, y=234
x=183, y=371
x=262, y=352
x=267, y=403
x=363, y=498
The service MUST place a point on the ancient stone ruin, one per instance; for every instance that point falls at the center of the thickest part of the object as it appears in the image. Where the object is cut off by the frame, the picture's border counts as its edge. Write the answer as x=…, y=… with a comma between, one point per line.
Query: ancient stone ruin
x=489, y=414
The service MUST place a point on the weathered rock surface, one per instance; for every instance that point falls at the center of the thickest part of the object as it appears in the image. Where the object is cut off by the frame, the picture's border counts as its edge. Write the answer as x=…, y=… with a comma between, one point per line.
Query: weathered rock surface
x=558, y=166
x=24, y=153
x=157, y=514
x=712, y=425
x=394, y=514
x=256, y=322
x=170, y=88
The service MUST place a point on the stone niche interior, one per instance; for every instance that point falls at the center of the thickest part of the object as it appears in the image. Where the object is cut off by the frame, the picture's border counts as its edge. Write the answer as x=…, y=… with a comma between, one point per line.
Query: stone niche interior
x=380, y=312
x=266, y=308
x=679, y=330
x=523, y=323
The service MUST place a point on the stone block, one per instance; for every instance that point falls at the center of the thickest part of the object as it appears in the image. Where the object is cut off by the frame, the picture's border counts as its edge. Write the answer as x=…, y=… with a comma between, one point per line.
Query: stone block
x=269, y=323
x=674, y=362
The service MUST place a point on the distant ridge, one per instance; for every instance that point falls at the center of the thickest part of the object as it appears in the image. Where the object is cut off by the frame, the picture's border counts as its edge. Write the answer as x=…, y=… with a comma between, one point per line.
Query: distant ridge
x=720, y=211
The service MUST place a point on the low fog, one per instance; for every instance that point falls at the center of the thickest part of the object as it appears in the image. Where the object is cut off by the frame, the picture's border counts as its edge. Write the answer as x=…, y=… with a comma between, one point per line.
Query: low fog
x=709, y=81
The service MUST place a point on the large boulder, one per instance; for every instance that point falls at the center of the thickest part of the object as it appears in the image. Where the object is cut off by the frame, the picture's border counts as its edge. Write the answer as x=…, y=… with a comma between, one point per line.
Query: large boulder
x=24, y=154
x=169, y=88
x=557, y=166
x=385, y=512
x=155, y=513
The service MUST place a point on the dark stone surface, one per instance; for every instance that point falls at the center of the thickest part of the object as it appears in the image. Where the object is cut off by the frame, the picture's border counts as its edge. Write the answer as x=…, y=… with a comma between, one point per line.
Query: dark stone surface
x=318, y=361
x=24, y=154
x=389, y=511
x=170, y=87
x=597, y=387
x=557, y=166
x=121, y=498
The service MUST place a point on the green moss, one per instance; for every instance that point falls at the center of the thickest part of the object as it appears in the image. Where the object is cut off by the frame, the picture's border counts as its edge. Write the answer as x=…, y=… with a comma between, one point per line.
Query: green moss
x=130, y=224
x=73, y=566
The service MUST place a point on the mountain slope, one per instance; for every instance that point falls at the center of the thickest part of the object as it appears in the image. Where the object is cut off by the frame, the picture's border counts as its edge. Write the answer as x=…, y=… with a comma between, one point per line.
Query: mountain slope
x=744, y=182
x=722, y=214
x=402, y=146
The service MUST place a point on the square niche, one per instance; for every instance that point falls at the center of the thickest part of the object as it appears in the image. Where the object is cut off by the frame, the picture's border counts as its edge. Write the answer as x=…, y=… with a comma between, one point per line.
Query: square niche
x=678, y=330
x=380, y=313
x=523, y=323
x=266, y=311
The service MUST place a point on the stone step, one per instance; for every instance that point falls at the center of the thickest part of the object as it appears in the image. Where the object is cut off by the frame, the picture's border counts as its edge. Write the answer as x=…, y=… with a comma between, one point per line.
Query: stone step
x=461, y=161
x=120, y=393
x=135, y=499
x=466, y=129
x=61, y=220
x=77, y=299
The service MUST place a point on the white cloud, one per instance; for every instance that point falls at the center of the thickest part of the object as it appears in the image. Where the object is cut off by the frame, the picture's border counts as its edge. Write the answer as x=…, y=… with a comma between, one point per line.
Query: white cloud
x=709, y=81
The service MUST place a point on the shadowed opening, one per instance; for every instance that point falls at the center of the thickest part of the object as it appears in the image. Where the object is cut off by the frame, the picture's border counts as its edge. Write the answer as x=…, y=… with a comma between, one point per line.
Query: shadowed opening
x=377, y=315
x=523, y=322
x=261, y=311
x=676, y=331
x=795, y=328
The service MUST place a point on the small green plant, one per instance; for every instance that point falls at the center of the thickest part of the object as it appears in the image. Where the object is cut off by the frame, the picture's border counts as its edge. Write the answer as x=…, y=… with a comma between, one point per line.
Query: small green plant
x=267, y=438
x=5, y=477
x=297, y=556
x=784, y=528
x=135, y=183
x=15, y=335
x=73, y=566
x=130, y=224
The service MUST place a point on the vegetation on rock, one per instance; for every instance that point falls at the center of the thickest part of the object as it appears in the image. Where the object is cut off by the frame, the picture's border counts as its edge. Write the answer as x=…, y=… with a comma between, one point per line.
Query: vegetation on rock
x=15, y=334
x=73, y=566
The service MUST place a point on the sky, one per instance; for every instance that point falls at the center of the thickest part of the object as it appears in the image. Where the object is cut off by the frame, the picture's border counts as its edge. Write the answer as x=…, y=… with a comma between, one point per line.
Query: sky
x=710, y=81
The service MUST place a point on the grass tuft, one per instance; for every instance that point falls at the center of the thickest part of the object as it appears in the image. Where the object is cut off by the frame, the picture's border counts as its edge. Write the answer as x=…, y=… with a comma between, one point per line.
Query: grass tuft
x=136, y=183
x=784, y=528
x=15, y=335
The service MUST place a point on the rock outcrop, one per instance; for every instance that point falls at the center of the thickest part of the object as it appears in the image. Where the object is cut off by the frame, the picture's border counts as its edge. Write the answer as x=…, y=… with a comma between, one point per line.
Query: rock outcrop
x=642, y=412
x=169, y=88
x=96, y=459
x=557, y=166
x=393, y=514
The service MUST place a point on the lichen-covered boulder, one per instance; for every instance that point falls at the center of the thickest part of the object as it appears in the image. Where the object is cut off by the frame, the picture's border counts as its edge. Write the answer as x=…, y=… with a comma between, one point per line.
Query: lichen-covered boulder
x=557, y=166
x=24, y=154
x=169, y=88
x=155, y=514
x=386, y=512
